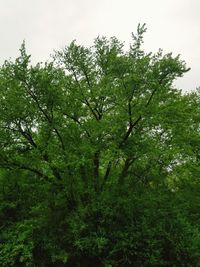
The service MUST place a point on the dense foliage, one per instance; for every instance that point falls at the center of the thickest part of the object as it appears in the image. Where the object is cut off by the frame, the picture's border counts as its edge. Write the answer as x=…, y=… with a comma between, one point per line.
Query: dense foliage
x=99, y=159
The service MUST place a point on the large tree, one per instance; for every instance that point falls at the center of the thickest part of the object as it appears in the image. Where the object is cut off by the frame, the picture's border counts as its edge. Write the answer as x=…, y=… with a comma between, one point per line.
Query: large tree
x=93, y=123
x=91, y=114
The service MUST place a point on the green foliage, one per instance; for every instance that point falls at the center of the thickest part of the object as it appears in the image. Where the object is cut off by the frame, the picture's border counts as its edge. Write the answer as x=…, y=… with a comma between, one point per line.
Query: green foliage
x=99, y=159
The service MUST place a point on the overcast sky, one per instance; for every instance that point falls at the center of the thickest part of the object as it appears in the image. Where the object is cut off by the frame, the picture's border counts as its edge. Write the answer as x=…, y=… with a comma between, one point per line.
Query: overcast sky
x=47, y=25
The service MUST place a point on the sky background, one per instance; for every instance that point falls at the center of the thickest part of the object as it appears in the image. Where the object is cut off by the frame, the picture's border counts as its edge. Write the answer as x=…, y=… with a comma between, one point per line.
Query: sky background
x=47, y=25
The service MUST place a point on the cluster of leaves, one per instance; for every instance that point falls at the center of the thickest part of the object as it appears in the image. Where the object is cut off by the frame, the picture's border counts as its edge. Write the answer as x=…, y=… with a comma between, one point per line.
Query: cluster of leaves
x=99, y=159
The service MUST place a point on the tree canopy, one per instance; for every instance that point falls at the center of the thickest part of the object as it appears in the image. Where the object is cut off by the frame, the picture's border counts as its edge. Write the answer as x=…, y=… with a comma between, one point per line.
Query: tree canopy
x=99, y=159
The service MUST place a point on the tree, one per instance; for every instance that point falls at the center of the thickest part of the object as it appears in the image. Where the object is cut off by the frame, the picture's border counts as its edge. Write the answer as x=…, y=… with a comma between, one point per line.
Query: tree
x=80, y=117
x=89, y=126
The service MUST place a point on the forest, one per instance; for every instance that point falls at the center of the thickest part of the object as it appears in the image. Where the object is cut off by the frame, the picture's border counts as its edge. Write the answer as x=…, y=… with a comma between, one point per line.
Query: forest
x=99, y=159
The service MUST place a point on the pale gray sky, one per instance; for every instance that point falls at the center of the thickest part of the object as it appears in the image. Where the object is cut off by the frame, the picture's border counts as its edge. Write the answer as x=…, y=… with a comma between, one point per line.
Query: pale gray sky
x=173, y=25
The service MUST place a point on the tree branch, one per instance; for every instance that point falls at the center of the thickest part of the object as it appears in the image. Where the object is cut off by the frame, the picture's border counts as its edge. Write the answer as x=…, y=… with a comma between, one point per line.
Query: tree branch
x=129, y=131
x=124, y=173
x=78, y=122
x=27, y=135
x=105, y=178
x=96, y=170
x=18, y=165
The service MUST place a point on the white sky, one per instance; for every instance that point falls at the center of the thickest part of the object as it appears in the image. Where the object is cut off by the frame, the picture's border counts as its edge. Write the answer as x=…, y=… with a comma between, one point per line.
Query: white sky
x=47, y=25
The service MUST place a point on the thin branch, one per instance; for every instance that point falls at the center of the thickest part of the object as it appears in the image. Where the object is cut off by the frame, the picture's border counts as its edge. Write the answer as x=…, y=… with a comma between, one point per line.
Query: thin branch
x=124, y=173
x=60, y=138
x=78, y=122
x=105, y=178
x=130, y=113
x=96, y=170
x=50, y=120
x=154, y=91
x=87, y=78
x=86, y=102
x=151, y=97
x=12, y=165
x=27, y=135
x=129, y=131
